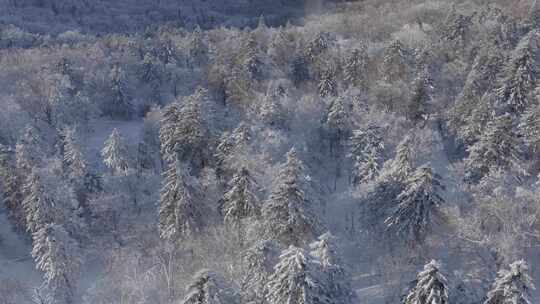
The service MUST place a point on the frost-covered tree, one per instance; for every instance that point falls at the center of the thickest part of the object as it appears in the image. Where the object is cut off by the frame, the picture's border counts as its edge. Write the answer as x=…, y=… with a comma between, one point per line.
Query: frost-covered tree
x=317, y=46
x=529, y=128
x=57, y=255
x=431, y=286
x=73, y=158
x=355, y=68
x=327, y=85
x=297, y=280
x=240, y=202
x=184, y=132
x=197, y=48
x=115, y=153
x=119, y=104
x=418, y=106
x=395, y=62
x=456, y=27
x=533, y=16
x=299, y=70
x=180, y=213
x=229, y=146
x=366, y=148
x=259, y=261
x=402, y=165
x=272, y=112
x=38, y=206
x=418, y=208
x=325, y=249
x=208, y=287
x=497, y=148
x=11, y=183
x=289, y=213
x=512, y=286
x=29, y=150
x=338, y=120
x=520, y=76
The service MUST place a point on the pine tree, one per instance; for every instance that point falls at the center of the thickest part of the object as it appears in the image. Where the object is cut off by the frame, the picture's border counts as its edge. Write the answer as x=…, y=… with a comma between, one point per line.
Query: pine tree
x=529, y=128
x=197, y=48
x=327, y=85
x=73, y=157
x=456, y=27
x=338, y=120
x=184, y=131
x=299, y=70
x=57, y=255
x=120, y=104
x=208, y=287
x=431, y=286
x=229, y=145
x=325, y=249
x=418, y=207
x=37, y=204
x=28, y=151
x=512, y=286
x=289, y=215
x=401, y=166
x=271, y=111
x=497, y=148
x=259, y=261
x=355, y=68
x=520, y=78
x=366, y=148
x=534, y=15
x=11, y=187
x=394, y=66
x=317, y=46
x=297, y=280
x=179, y=213
x=418, y=107
x=240, y=202
x=115, y=153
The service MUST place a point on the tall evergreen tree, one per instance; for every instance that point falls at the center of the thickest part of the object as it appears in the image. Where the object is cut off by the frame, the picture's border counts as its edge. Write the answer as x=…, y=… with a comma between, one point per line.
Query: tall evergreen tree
x=57, y=255
x=297, y=280
x=431, y=286
x=418, y=207
x=521, y=75
x=497, y=148
x=395, y=62
x=29, y=150
x=11, y=183
x=339, y=288
x=512, y=286
x=208, y=287
x=418, y=107
x=327, y=85
x=115, y=153
x=73, y=157
x=355, y=67
x=366, y=148
x=179, y=213
x=240, y=202
x=259, y=261
x=37, y=204
x=289, y=213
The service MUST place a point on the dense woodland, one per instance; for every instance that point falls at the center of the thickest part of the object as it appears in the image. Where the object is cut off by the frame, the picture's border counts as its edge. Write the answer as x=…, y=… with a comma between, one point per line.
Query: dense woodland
x=231, y=152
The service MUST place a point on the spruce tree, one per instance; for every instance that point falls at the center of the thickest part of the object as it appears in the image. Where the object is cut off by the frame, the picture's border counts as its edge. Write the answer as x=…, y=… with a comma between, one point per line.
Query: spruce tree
x=179, y=212
x=259, y=261
x=431, y=286
x=38, y=206
x=365, y=149
x=395, y=62
x=297, y=280
x=327, y=85
x=11, y=183
x=73, y=157
x=240, y=202
x=289, y=213
x=120, y=104
x=29, y=150
x=355, y=68
x=520, y=76
x=418, y=107
x=497, y=148
x=115, y=153
x=338, y=121
x=512, y=286
x=418, y=207
x=208, y=287
x=326, y=251
x=57, y=255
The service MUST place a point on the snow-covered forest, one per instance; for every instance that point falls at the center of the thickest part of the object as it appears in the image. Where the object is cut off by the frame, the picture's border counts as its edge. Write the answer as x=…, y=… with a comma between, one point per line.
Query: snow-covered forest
x=269, y=152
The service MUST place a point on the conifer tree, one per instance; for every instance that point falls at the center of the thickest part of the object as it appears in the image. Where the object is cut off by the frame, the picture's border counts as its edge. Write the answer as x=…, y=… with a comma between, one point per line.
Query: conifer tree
x=289, y=214
x=299, y=70
x=37, y=204
x=355, y=67
x=11, y=188
x=179, y=213
x=73, y=157
x=520, y=76
x=512, y=286
x=338, y=120
x=418, y=107
x=240, y=202
x=28, y=151
x=497, y=148
x=418, y=207
x=297, y=280
x=327, y=85
x=431, y=286
x=366, y=148
x=120, y=104
x=115, y=153
x=401, y=166
x=394, y=66
x=208, y=287
x=259, y=261
x=529, y=128
x=339, y=288
x=57, y=255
